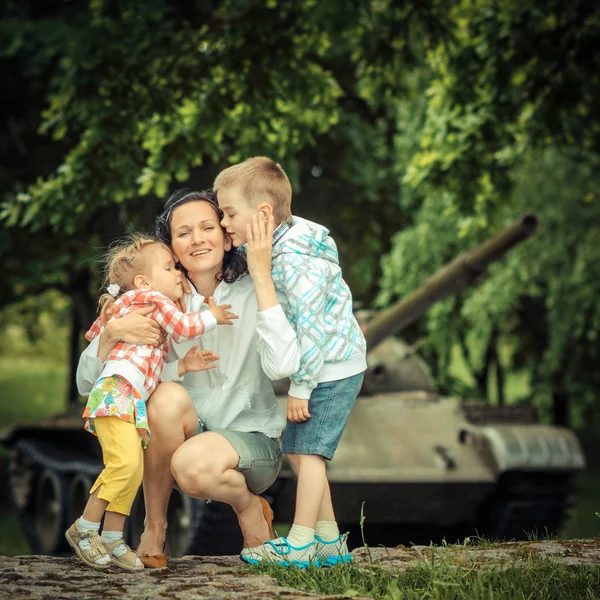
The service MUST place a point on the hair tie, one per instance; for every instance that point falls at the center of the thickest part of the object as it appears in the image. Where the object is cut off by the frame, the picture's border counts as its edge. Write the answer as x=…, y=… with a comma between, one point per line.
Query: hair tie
x=113, y=289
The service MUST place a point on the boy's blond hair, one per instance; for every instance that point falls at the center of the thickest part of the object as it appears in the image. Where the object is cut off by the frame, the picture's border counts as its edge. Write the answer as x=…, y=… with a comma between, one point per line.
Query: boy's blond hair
x=125, y=259
x=260, y=179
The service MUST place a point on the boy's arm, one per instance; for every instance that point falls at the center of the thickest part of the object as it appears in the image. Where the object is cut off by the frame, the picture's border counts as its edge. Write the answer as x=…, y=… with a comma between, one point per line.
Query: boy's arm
x=278, y=345
x=306, y=288
x=179, y=325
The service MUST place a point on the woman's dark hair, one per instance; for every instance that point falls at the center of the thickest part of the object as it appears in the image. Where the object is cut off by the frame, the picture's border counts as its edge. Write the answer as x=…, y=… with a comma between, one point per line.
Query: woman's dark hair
x=234, y=263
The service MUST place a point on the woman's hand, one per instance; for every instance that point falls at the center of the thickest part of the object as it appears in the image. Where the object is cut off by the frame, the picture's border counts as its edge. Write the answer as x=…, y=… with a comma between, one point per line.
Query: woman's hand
x=135, y=328
x=186, y=290
x=260, y=246
x=196, y=361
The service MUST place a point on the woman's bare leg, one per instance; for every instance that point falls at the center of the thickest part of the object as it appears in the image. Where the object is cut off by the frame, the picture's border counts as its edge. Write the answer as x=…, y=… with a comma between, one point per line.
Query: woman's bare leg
x=172, y=419
x=204, y=467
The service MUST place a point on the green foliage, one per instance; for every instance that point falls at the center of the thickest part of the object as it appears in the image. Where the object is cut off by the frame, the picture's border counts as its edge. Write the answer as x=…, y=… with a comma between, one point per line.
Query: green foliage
x=508, y=131
x=541, y=299
x=147, y=93
x=139, y=97
x=36, y=326
x=491, y=96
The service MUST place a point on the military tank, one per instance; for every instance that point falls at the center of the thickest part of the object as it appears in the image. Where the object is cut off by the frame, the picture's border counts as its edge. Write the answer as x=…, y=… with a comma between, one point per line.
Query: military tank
x=412, y=466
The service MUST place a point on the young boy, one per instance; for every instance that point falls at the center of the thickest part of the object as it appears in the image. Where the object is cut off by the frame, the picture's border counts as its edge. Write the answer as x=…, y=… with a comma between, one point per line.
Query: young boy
x=318, y=304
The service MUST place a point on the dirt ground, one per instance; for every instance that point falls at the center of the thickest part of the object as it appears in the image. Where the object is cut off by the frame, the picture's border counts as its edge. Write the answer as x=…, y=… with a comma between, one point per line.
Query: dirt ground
x=52, y=578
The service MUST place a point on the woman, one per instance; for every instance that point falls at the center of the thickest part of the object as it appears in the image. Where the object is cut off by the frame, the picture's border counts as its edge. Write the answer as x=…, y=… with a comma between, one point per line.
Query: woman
x=217, y=434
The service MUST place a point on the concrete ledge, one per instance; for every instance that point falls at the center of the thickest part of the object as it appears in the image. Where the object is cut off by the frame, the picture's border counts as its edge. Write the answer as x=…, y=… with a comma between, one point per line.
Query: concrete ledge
x=187, y=578
x=192, y=577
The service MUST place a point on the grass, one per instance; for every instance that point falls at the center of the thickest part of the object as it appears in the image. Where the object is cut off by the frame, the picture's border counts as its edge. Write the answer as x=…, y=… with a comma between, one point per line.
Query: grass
x=583, y=522
x=12, y=542
x=527, y=579
x=31, y=389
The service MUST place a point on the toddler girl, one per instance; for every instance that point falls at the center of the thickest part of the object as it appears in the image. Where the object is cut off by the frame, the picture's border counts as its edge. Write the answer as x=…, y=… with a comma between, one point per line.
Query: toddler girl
x=139, y=272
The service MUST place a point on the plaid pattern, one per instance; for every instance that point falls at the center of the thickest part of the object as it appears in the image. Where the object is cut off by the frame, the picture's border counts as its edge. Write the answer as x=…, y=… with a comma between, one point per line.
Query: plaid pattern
x=149, y=360
x=318, y=302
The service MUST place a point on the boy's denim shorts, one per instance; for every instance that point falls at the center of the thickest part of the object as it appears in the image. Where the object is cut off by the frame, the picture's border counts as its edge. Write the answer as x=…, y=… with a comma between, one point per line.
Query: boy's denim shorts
x=260, y=456
x=330, y=405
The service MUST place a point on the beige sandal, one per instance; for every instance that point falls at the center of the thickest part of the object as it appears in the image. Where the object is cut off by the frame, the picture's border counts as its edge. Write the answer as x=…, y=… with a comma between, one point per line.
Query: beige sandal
x=127, y=560
x=91, y=548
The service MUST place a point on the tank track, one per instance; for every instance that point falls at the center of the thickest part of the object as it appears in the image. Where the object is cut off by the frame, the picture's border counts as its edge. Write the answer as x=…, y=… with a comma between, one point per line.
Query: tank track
x=526, y=504
x=213, y=528
x=482, y=413
x=55, y=459
x=31, y=458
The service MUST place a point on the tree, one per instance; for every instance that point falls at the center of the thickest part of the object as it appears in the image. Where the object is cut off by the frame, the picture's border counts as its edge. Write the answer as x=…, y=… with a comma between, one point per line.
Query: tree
x=139, y=97
x=512, y=102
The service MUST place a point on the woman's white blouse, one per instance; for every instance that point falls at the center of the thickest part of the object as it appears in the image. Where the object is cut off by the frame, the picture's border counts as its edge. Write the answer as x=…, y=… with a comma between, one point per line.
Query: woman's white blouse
x=237, y=394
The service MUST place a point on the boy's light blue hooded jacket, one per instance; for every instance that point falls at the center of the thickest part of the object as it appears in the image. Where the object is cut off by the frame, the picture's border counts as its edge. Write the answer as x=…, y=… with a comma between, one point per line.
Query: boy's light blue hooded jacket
x=318, y=305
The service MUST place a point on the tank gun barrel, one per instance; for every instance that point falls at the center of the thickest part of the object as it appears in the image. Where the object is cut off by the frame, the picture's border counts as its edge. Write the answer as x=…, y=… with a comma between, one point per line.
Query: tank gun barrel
x=456, y=275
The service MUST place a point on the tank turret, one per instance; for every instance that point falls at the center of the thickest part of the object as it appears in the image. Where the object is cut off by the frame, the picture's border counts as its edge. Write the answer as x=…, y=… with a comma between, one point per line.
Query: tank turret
x=455, y=276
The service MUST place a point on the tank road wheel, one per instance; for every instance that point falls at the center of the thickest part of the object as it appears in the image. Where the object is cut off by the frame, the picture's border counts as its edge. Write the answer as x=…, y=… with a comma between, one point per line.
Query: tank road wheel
x=194, y=526
x=214, y=530
x=179, y=516
x=79, y=492
x=23, y=473
x=134, y=526
x=525, y=504
x=50, y=512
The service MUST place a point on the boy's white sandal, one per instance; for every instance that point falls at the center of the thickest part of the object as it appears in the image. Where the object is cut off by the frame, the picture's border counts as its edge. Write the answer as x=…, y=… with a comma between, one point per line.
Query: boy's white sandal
x=126, y=560
x=88, y=546
x=332, y=553
x=280, y=552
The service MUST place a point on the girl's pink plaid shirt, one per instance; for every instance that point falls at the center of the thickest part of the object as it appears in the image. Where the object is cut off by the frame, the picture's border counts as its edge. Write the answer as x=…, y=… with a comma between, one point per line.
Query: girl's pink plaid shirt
x=150, y=360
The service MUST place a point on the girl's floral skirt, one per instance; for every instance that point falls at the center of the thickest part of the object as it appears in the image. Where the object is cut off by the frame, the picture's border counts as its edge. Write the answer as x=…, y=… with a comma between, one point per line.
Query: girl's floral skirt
x=114, y=396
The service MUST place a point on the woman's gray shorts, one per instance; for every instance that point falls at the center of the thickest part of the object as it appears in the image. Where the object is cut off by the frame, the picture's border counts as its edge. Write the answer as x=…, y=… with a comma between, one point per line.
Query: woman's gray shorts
x=260, y=456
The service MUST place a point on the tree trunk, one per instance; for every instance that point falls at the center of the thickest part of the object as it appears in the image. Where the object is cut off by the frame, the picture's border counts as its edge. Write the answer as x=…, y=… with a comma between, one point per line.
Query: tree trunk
x=482, y=376
x=499, y=379
x=560, y=403
x=73, y=356
x=560, y=409
x=82, y=315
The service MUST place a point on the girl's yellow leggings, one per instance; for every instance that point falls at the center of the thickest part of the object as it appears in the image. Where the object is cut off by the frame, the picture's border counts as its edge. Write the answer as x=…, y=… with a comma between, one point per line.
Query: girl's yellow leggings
x=123, y=459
